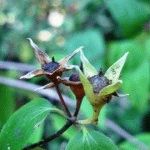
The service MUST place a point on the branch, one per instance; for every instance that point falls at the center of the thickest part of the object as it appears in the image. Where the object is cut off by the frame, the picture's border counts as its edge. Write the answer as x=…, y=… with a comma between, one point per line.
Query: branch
x=117, y=129
x=9, y=65
x=49, y=93
x=62, y=101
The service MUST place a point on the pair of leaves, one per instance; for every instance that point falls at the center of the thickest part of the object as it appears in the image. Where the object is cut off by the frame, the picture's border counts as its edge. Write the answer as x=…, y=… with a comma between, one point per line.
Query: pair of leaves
x=17, y=131
x=91, y=140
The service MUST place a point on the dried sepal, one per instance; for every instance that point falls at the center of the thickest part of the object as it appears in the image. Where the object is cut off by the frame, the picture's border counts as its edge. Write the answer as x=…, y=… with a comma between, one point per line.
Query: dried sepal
x=110, y=89
x=87, y=86
x=32, y=74
x=88, y=69
x=114, y=71
x=41, y=56
x=47, y=86
x=100, y=87
x=65, y=60
x=62, y=64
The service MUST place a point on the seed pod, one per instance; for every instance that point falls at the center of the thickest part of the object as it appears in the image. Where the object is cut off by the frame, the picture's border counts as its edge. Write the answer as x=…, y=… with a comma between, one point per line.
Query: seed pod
x=78, y=89
x=100, y=87
x=49, y=67
x=98, y=82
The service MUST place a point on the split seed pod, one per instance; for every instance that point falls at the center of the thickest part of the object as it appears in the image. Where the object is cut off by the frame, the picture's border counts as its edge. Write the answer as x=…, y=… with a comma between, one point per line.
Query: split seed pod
x=100, y=88
x=49, y=67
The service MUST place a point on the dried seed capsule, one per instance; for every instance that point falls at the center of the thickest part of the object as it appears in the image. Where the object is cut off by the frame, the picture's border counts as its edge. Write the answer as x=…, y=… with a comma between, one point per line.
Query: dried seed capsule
x=50, y=67
x=98, y=82
x=77, y=89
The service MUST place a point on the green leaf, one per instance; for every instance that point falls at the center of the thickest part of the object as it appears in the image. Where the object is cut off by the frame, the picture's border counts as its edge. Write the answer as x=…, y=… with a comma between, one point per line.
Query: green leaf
x=88, y=69
x=144, y=138
x=7, y=103
x=36, y=135
x=114, y=71
x=91, y=140
x=137, y=47
x=20, y=126
x=93, y=43
x=136, y=84
x=129, y=14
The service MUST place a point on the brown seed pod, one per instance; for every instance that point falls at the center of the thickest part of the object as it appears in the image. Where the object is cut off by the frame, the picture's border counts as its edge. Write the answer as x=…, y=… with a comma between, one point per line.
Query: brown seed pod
x=49, y=67
x=78, y=89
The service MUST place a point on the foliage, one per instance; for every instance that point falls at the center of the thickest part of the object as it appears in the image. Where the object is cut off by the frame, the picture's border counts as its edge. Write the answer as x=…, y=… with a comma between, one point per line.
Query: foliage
x=106, y=29
x=91, y=139
x=23, y=123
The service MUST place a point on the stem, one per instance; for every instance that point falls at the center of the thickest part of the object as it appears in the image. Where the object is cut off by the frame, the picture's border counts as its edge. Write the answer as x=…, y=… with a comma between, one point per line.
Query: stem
x=68, y=82
x=93, y=119
x=78, y=104
x=52, y=137
x=62, y=100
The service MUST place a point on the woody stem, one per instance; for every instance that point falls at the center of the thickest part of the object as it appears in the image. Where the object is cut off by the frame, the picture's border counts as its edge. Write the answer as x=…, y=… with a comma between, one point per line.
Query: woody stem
x=78, y=104
x=62, y=100
x=67, y=125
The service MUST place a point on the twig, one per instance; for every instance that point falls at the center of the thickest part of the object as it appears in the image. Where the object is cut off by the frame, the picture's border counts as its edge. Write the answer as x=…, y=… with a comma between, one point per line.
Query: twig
x=78, y=104
x=52, y=137
x=117, y=129
x=9, y=65
x=49, y=93
x=62, y=100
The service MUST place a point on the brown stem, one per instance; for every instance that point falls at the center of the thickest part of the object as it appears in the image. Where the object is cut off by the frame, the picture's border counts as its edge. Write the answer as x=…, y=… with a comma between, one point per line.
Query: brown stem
x=78, y=104
x=62, y=100
x=52, y=137
x=68, y=82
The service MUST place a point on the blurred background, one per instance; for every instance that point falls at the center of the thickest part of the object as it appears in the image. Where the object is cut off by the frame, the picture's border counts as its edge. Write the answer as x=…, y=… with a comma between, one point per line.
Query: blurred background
x=107, y=29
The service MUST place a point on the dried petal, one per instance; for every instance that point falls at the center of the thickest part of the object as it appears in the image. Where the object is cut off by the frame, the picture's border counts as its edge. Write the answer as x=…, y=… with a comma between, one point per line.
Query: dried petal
x=49, y=85
x=110, y=89
x=65, y=60
x=114, y=71
x=88, y=69
x=32, y=74
x=41, y=56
